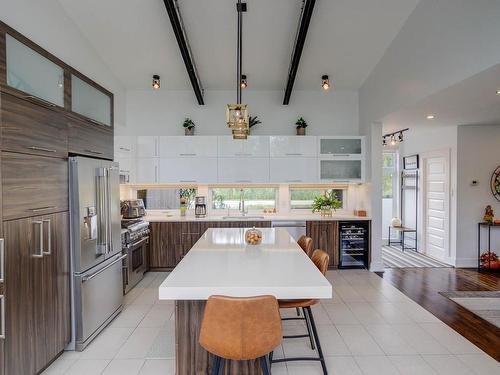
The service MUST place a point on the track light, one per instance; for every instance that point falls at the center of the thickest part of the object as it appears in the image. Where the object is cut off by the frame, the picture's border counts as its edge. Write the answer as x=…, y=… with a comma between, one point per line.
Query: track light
x=393, y=140
x=156, y=82
x=243, y=81
x=384, y=141
x=325, y=82
x=400, y=137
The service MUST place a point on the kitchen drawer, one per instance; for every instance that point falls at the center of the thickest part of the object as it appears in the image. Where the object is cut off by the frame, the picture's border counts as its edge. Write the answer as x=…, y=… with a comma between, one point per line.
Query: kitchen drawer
x=90, y=140
x=33, y=185
x=32, y=128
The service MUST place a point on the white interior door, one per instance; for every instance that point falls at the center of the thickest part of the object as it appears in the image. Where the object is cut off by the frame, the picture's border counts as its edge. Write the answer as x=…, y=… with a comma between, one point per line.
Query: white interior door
x=436, y=204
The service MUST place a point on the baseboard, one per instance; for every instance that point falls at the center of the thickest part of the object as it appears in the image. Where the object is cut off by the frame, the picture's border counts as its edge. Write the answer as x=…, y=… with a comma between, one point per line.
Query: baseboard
x=377, y=266
x=466, y=262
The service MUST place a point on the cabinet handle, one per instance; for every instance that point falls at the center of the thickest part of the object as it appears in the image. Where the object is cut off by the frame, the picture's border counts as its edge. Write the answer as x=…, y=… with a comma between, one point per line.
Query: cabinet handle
x=294, y=154
x=2, y=311
x=36, y=148
x=43, y=208
x=124, y=171
x=191, y=181
x=49, y=237
x=156, y=147
x=156, y=173
x=95, y=122
x=34, y=98
x=293, y=180
x=187, y=154
x=243, y=181
x=2, y=260
x=93, y=151
x=243, y=154
x=40, y=254
x=125, y=149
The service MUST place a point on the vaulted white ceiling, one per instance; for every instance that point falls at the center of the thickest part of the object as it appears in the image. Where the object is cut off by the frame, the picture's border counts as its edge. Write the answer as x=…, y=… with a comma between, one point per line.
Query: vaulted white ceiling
x=346, y=39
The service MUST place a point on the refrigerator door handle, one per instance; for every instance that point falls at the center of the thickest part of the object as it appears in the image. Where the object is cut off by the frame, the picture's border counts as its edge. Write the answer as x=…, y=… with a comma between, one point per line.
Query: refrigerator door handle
x=90, y=277
x=102, y=234
x=108, y=210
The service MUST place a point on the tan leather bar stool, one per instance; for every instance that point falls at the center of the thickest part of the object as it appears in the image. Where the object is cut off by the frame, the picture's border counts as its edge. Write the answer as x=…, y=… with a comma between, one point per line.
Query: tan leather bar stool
x=306, y=243
x=320, y=258
x=241, y=329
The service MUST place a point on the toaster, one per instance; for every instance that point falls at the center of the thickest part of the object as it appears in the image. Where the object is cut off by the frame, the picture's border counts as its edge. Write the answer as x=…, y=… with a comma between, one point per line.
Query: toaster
x=132, y=208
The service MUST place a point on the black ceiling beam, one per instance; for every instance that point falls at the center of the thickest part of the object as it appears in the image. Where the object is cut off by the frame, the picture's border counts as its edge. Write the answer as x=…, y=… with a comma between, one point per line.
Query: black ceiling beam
x=305, y=19
x=180, y=35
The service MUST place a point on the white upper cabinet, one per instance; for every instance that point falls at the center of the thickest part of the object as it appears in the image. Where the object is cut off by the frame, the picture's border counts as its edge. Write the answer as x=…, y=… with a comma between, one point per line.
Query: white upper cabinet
x=341, y=146
x=188, y=170
x=188, y=146
x=293, y=146
x=294, y=169
x=253, y=146
x=243, y=170
x=127, y=168
x=147, y=146
x=147, y=170
x=125, y=146
x=33, y=73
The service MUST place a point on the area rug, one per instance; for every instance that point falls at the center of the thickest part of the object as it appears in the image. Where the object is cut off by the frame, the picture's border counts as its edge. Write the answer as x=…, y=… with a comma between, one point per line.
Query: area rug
x=484, y=304
x=393, y=257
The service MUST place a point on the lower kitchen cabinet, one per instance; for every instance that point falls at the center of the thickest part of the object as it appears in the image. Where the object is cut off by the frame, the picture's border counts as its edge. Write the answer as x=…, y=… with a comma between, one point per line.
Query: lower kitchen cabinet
x=37, y=300
x=325, y=237
x=171, y=241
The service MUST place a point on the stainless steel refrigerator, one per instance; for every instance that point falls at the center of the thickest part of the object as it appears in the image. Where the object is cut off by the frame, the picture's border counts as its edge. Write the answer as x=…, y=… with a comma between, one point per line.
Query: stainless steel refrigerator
x=96, y=254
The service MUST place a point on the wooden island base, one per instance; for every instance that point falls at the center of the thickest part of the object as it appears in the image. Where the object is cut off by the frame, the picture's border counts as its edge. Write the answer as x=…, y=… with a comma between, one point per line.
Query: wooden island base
x=191, y=358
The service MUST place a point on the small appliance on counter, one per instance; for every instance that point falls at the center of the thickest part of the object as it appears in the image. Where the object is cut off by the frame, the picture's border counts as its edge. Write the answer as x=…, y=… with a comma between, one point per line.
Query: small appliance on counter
x=200, y=207
x=132, y=209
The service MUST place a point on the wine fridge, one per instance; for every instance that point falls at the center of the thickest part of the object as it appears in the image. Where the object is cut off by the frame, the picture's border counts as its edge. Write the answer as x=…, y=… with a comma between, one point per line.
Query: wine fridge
x=354, y=244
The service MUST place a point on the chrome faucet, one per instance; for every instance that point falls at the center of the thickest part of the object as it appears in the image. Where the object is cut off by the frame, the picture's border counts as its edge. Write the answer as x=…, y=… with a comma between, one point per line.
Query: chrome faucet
x=242, y=203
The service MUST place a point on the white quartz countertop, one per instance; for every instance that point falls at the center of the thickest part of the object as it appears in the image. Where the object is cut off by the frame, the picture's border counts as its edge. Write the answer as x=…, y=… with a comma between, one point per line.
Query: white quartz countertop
x=221, y=263
x=166, y=216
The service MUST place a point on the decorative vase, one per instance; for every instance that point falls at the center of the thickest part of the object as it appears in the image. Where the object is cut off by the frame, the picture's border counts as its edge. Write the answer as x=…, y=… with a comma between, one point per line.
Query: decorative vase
x=326, y=212
x=301, y=131
x=188, y=131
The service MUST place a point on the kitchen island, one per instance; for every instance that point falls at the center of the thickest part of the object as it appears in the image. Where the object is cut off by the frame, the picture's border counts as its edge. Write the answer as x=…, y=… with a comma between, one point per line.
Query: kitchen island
x=220, y=263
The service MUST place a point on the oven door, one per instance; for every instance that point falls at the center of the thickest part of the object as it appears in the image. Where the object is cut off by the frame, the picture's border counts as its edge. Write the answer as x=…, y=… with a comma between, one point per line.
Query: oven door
x=136, y=263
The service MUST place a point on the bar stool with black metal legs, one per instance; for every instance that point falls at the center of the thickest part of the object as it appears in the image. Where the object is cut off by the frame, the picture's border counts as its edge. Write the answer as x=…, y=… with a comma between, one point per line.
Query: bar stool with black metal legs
x=306, y=244
x=320, y=259
x=241, y=329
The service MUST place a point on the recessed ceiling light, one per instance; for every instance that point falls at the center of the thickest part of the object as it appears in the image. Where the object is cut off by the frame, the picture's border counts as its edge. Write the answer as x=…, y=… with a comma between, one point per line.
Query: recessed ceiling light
x=325, y=82
x=498, y=92
x=430, y=117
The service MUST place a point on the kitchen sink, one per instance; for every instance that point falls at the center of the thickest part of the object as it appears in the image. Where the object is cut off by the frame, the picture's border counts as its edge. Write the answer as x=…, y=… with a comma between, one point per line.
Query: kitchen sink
x=243, y=217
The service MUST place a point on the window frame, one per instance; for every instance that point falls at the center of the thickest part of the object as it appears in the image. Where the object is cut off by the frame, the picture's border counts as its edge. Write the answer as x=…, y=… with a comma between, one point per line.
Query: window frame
x=343, y=187
x=224, y=211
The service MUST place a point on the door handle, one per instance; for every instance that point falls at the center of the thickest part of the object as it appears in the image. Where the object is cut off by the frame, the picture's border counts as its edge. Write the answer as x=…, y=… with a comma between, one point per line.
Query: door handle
x=2, y=320
x=90, y=277
x=40, y=253
x=93, y=151
x=49, y=237
x=2, y=260
x=36, y=148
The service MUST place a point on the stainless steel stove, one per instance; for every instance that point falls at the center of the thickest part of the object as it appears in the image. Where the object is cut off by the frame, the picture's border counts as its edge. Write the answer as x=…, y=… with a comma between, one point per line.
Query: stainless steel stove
x=135, y=243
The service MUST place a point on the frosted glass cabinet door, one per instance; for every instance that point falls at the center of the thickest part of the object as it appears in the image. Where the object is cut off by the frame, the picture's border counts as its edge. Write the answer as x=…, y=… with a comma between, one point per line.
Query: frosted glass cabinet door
x=340, y=146
x=341, y=170
x=90, y=102
x=32, y=73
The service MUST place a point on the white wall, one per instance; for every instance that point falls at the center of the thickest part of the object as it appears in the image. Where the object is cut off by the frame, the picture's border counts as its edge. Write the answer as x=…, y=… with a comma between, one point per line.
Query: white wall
x=162, y=112
x=442, y=43
x=423, y=138
x=478, y=156
x=46, y=23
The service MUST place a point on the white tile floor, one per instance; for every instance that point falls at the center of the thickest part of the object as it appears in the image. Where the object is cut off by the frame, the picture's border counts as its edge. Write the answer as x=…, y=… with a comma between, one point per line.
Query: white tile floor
x=369, y=327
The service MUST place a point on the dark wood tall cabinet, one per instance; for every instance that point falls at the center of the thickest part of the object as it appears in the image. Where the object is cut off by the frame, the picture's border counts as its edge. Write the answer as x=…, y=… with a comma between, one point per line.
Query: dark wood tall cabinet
x=325, y=236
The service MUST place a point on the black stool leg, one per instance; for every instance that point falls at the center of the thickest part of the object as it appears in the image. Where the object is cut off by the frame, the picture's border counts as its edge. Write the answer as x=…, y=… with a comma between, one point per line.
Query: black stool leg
x=308, y=311
x=308, y=324
x=264, y=364
x=271, y=359
x=221, y=366
x=298, y=311
x=216, y=365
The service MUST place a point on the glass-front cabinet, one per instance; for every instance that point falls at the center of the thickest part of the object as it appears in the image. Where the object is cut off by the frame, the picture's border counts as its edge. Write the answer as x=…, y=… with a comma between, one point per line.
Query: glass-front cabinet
x=341, y=146
x=30, y=72
x=90, y=102
x=340, y=170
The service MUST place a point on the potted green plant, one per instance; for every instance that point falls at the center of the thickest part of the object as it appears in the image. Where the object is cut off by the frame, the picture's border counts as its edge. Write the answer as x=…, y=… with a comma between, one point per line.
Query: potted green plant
x=189, y=126
x=301, y=125
x=253, y=120
x=326, y=203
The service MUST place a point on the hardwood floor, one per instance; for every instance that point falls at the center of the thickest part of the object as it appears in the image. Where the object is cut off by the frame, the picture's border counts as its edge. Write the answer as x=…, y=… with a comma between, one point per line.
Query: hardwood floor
x=423, y=286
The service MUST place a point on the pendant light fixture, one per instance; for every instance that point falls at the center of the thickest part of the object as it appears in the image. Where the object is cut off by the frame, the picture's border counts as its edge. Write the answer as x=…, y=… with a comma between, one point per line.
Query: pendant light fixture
x=237, y=114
